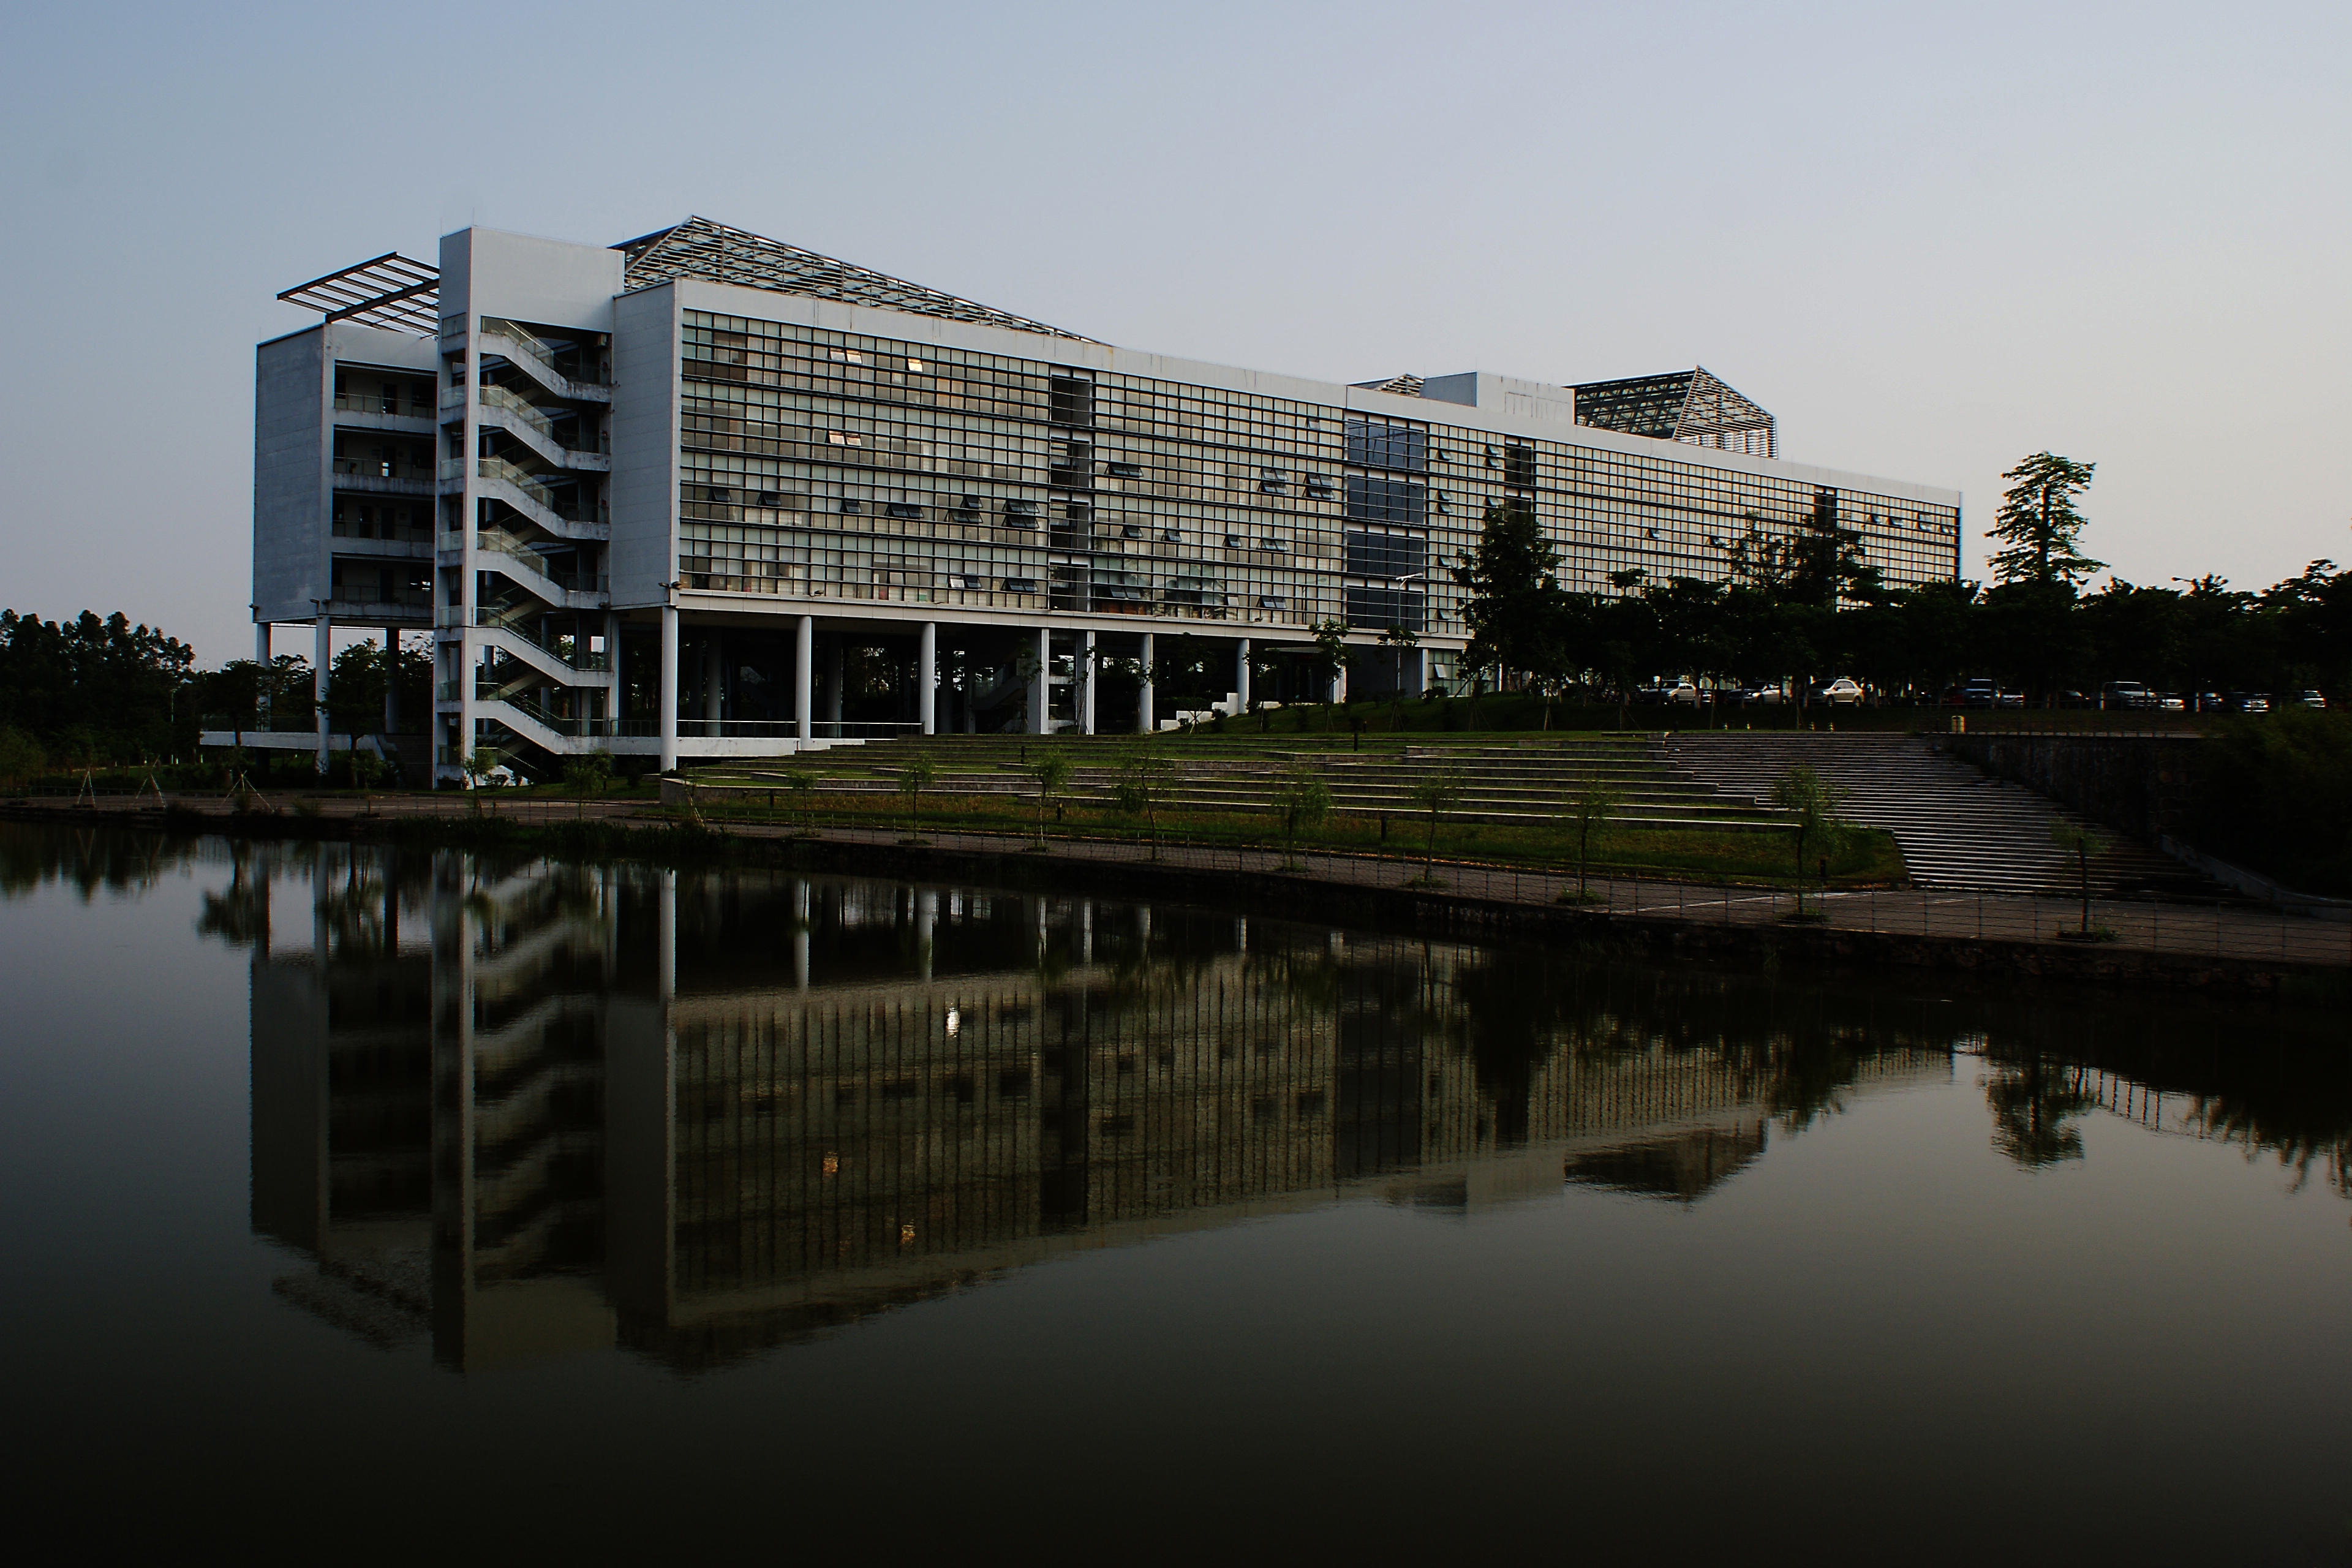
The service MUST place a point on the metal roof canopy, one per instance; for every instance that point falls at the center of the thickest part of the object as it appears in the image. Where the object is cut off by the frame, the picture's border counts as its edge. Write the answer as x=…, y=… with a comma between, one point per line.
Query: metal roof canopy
x=391, y=291
x=717, y=254
x=1692, y=407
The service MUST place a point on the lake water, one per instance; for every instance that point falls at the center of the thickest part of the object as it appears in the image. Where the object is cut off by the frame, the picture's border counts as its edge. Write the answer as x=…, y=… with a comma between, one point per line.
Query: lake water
x=365, y=1204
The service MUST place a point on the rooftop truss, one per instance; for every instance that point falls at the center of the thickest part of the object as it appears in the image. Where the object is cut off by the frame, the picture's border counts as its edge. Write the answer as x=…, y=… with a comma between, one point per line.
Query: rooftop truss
x=1405, y=385
x=1692, y=407
x=717, y=254
x=391, y=291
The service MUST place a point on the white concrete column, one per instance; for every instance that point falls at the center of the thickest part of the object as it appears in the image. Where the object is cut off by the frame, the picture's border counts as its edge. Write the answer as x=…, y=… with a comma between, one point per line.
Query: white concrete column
x=1082, y=669
x=319, y=680
x=714, y=677
x=1420, y=671
x=668, y=693
x=927, y=677
x=665, y=940
x=613, y=703
x=802, y=910
x=804, y=658
x=1241, y=679
x=390, y=680
x=1338, y=679
x=1145, y=720
x=1039, y=703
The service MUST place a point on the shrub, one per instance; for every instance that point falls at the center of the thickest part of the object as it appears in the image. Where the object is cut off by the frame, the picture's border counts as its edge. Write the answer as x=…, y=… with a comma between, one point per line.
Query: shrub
x=2274, y=793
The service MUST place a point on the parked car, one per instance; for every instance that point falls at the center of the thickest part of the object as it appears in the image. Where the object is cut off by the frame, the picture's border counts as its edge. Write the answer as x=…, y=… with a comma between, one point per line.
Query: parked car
x=1683, y=693
x=2312, y=700
x=1982, y=692
x=1766, y=696
x=2172, y=702
x=2247, y=702
x=1845, y=692
x=2125, y=694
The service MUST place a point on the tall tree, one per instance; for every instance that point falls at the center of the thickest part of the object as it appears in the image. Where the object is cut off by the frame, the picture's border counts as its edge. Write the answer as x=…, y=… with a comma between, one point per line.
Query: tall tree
x=2039, y=522
x=1513, y=577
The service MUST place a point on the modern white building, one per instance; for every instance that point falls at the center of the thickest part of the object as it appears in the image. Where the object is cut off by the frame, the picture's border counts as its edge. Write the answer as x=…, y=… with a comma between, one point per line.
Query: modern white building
x=704, y=494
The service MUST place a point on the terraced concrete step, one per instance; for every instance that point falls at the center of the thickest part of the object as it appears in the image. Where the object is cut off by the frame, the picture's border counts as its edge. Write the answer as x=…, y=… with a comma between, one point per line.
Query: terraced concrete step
x=1957, y=827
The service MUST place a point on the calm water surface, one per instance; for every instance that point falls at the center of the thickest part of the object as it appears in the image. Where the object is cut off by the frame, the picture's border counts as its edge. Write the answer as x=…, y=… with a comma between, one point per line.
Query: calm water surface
x=365, y=1203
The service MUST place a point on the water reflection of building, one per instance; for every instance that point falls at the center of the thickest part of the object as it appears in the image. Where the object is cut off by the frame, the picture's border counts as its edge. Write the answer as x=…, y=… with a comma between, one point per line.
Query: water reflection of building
x=533, y=1108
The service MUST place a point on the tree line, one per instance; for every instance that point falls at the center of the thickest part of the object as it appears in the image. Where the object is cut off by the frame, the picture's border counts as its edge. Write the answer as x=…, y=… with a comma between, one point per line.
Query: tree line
x=1807, y=608
x=93, y=692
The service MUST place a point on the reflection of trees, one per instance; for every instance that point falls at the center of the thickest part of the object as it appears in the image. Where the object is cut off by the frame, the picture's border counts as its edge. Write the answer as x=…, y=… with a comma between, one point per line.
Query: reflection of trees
x=2271, y=1080
x=2290, y=1131
x=1513, y=1016
x=2032, y=1103
x=90, y=860
x=239, y=913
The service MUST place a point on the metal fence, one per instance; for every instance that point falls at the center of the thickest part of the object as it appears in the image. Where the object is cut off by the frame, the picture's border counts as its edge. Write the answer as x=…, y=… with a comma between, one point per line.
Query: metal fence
x=2221, y=928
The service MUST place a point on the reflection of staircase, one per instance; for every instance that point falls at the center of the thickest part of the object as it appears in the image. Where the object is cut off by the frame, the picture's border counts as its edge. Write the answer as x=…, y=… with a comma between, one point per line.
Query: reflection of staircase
x=1957, y=827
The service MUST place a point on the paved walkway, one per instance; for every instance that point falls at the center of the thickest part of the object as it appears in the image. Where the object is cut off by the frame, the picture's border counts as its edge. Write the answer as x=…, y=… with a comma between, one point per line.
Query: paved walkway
x=2227, y=930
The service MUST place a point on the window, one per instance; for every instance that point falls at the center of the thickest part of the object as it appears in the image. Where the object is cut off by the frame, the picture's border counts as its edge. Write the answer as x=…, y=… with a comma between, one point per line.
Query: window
x=843, y=438
x=1384, y=607
x=902, y=509
x=851, y=505
x=1271, y=601
x=1021, y=585
x=1319, y=486
x=770, y=499
x=1274, y=481
x=1235, y=542
x=717, y=493
x=1375, y=443
x=1125, y=470
x=1377, y=552
x=1070, y=400
x=1374, y=498
x=1519, y=465
x=1073, y=469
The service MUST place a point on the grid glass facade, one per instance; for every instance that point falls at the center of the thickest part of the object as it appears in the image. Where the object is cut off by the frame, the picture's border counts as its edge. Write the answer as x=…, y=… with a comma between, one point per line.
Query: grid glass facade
x=824, y=465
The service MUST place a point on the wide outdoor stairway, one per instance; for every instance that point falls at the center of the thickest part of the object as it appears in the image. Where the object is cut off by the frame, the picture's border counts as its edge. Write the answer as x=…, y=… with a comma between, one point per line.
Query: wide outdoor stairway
x=1528, y=782
x=1957, y=825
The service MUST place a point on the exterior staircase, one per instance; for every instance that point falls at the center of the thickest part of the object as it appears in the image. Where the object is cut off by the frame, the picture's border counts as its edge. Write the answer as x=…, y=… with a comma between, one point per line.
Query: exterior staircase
x=1957, y=825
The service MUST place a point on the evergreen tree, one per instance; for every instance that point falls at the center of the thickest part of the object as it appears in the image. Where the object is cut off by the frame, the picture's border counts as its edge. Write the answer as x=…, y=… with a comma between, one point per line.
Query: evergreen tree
x=2038, y=522
x=1513, y=578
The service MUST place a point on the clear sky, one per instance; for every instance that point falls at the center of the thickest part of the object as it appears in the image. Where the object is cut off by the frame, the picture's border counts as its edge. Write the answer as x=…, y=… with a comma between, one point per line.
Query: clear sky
x=1931, y=239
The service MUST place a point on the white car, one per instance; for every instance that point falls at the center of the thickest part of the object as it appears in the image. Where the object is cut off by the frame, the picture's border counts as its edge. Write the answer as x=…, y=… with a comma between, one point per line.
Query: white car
x=1846, y=691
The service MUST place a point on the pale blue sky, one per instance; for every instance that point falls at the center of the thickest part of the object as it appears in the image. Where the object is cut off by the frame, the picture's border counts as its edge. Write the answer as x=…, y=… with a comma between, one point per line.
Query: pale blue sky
x=1929, y=240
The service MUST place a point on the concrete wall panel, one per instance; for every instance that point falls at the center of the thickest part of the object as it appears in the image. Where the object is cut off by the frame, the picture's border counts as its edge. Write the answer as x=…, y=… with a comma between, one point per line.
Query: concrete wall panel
x=291, y=430
x=644, y=446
